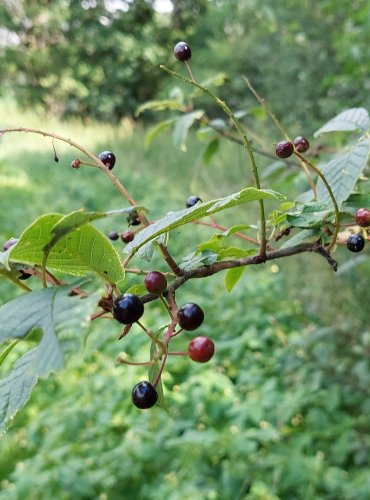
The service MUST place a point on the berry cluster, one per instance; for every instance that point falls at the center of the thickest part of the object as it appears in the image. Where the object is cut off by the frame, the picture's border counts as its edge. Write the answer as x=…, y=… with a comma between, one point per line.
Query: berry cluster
x=356, y=242
x=129, y=308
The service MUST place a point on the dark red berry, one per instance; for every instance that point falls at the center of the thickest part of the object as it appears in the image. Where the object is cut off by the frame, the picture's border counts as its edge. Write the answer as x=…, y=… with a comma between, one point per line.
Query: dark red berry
x=133, y=219
x=128, y=308
x=301, y=144
x=144, y=395
x=127, y=236
x=201, y=349
x=113, y=235
x=355, y=243
x=362, y=217
x=108, y=158
x=190, y=316
x=9, y=243
x=182, y=51
x=284, y=149
x=155, y=282
x=192, y=200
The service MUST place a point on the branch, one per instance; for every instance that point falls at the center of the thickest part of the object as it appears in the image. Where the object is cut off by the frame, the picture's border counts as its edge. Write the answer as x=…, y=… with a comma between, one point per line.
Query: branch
x=204, y=271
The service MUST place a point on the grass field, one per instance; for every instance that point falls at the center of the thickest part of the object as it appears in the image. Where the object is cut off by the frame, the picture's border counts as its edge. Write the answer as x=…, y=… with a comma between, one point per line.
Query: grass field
x=280, y=412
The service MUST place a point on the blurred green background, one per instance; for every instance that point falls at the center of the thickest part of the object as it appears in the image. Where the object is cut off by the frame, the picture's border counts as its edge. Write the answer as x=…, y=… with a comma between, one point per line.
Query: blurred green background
x=282, y=410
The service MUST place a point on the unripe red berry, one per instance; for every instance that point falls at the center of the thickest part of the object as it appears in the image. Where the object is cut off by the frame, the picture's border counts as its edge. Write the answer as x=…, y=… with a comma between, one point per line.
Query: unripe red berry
x=127, y=236
x=155, y=282
x=182, y=51
x=201, y=349
x=362, y=217
x=301, y=144
x=284, y=149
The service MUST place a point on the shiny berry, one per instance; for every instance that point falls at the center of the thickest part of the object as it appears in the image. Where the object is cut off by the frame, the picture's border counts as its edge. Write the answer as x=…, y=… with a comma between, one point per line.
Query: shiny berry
x=301, y=144
x=182, y=51
x=113, y=235
x=9, y=243
x=127, y=236
x=355, y=243
x=128, y=308
x=192, y=200
x=108, y=158
x=190, y=316
x=284, y=149
x=201, y=349
x=362, y=217
x=155, y=282
x=144, y=395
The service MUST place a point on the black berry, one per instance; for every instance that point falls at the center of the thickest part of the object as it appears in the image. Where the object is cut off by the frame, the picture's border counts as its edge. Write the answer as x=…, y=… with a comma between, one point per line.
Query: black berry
x=127, y=236
x=182, y=51
x=190, y=316
x=355, y=243
x=155, y=282
x=133, y=219
x=9, y=243
x=301, y=144
x=113, y=235
x=144, y=395
x=24, y=275
x=362, y=217
x=192, y=200
x=201, y=349
x=128, y=308
x=108, y=158
x=284, y=149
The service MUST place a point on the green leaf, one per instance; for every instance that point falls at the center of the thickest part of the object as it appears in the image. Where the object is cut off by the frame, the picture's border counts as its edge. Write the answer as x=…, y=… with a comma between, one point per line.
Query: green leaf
x=310, y=215
x=357, y=200
x=79, y=252
x=305, y=235
x=235, y=253
x=182, y=127
x=347, y=121
x=156, y=130
x=7, y=350
x=137, y=290
x=176, y=219
x=195, y=259
x=153, y=372
x=210, y=151
x=215, y=244
x=238, y=228
x=342, y=173
x=158, y=105
x=232, y=276
x=62, y=318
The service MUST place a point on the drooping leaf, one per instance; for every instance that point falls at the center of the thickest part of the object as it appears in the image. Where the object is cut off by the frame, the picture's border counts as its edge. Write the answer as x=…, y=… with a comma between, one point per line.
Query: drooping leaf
x=357, y=200
x=78, y=253
x=305, y=235
x=342, y=173
x=210, y=151
x=310, y=215
x=158, y=105
x=232, y=277
x=238, y=228
x=62, y=318
x=196, y=259
x=182, y=127
x=176, y=219
x=156, y=130
x=347, y=121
